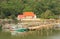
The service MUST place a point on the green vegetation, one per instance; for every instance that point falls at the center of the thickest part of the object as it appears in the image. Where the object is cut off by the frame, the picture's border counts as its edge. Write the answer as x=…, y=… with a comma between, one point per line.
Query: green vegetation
x=42, y=8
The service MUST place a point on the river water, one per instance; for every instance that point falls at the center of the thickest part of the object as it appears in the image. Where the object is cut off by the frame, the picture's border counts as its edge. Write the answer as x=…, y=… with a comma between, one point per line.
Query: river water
x=44, y=34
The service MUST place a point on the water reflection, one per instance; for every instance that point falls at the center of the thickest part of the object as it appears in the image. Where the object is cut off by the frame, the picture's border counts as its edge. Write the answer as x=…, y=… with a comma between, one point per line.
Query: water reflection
x=45, y=34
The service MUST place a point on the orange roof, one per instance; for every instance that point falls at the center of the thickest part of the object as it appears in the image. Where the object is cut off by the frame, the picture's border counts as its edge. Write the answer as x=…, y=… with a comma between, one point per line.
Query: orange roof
x=28, y=13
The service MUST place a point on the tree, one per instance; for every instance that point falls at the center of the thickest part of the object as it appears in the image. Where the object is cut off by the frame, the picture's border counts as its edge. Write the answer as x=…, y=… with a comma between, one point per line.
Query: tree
x=39, y=7
x=47, y=14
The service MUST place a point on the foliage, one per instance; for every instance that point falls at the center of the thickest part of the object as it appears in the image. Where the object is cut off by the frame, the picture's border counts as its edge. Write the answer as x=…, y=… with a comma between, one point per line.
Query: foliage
x=47, y=14
x=42, y=8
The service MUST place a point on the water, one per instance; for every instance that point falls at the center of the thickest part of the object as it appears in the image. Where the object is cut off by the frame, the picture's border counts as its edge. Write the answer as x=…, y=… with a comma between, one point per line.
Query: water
x=44, y=34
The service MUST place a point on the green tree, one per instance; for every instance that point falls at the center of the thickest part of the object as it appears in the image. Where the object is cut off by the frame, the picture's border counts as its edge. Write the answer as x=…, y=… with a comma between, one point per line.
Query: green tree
x=39, y=7
x=47, y=14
